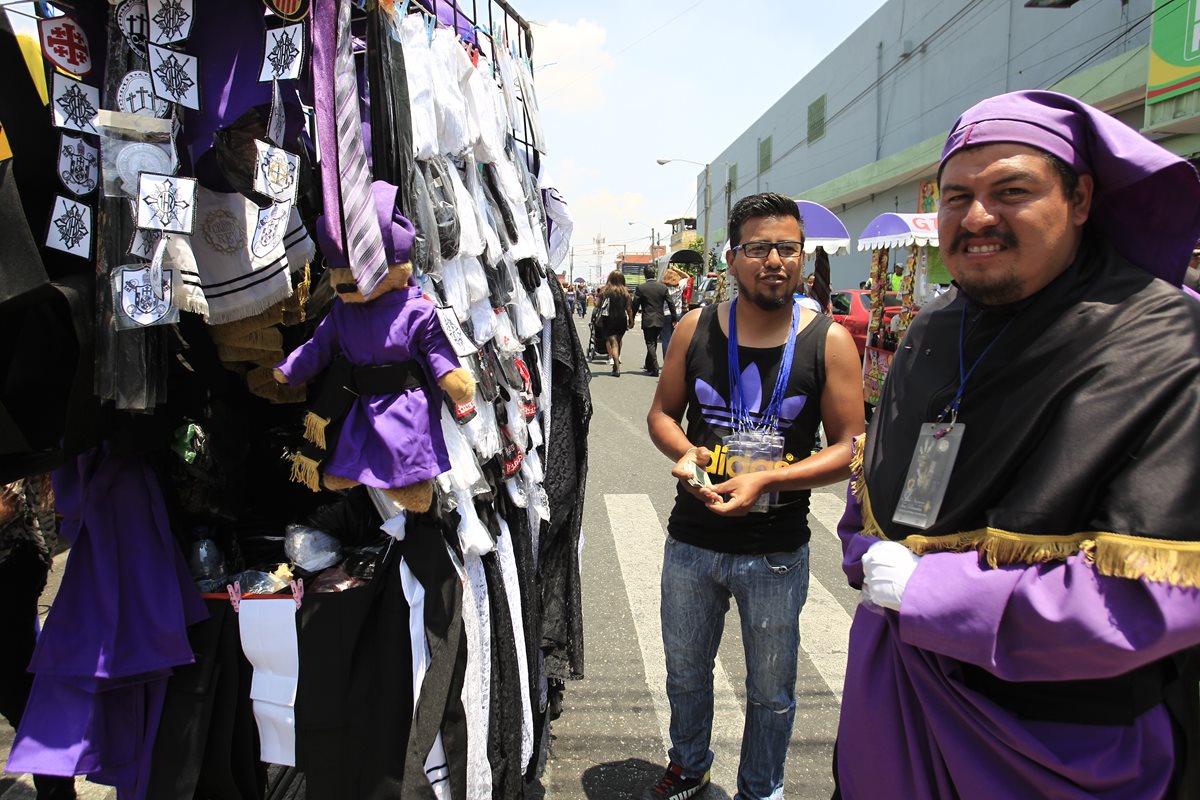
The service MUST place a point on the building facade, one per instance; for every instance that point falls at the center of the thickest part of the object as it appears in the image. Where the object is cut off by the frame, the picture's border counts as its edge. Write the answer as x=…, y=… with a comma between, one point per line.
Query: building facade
x=863, y=136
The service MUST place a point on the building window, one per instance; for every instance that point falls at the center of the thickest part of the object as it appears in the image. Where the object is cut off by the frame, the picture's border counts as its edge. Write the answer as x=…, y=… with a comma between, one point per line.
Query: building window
x=816, y=119
x=764, y=155
x=731, y=178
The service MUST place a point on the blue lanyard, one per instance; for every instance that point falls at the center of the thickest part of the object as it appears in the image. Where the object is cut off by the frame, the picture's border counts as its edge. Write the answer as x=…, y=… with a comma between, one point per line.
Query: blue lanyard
x=737, y=405
x=951, y=409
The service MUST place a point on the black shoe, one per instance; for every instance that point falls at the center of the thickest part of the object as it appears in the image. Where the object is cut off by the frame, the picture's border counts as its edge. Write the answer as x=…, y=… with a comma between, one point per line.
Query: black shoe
x=673, y=786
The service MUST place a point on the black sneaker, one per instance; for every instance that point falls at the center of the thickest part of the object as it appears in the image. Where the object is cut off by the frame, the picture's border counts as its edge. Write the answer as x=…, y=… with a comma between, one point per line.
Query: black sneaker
x=673, y=786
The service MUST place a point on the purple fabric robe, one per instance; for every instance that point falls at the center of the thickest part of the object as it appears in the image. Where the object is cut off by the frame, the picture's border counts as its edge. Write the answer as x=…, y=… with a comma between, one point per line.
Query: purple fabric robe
x=910, y=728
x=117, y=627
x=386, y=441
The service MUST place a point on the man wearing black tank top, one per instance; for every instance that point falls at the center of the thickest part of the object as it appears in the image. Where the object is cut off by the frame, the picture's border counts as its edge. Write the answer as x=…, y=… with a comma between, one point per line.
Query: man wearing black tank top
x=717, y=546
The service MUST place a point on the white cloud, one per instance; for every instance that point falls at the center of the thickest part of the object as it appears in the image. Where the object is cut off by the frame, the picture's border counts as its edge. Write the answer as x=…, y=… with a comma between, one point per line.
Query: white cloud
x=575, y=64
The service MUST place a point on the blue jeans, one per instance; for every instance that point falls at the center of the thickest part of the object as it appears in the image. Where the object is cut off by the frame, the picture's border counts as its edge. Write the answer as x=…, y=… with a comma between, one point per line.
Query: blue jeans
x=665, y=337
x=770, y=591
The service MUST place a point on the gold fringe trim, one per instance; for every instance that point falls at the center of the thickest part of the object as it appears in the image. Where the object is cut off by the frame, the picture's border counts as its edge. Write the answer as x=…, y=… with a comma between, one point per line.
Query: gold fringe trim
x=1159, y=560
x=314, y=429
x=306, y=471
x=858, y=486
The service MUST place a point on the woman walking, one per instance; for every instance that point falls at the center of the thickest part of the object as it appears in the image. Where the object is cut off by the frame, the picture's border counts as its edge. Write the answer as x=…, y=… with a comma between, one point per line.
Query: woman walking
x=616, y=316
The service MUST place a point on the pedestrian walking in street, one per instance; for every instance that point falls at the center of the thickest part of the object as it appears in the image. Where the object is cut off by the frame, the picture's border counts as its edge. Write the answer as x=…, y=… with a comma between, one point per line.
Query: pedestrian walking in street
x=650, y=299
x=1023, y=523
x=753, y=378
x=615, y=313
x=581, y=300
x=675, y=280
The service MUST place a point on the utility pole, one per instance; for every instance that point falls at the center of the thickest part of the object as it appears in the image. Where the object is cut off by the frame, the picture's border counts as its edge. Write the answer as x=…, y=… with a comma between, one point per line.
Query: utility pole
x=707, y=206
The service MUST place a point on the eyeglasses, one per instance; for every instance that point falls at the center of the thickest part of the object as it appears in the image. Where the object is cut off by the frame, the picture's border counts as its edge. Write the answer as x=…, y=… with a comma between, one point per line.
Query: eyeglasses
x=760, y=250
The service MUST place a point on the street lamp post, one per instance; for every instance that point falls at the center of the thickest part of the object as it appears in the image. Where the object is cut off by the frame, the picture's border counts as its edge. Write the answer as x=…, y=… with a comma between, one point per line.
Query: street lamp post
x=707, y=197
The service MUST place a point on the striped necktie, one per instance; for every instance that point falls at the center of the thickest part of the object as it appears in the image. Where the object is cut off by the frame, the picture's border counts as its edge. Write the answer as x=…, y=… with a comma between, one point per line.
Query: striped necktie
x=363, y=239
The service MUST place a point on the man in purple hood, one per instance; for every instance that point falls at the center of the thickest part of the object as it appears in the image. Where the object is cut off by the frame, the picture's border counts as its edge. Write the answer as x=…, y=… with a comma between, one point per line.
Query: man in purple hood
x=1022, y=513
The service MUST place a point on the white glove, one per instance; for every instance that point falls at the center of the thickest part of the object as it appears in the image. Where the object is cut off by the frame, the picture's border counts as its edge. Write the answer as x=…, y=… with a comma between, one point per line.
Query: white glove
x=887, y=566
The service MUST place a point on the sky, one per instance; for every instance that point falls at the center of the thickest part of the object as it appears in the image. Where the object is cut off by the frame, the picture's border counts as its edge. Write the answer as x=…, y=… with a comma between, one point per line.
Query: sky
x=621, y=83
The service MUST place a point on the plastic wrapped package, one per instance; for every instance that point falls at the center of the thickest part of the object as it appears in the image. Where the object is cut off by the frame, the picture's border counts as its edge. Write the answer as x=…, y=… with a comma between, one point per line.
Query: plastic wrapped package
x=475, y=278
x=535, y=435
x=454, y=284
x=310, y=549
x=483, y=321
x=544, y=296
x=533, y=466
x=506, y=339
x=450, y=63
x=483, y=432
x=473, y=536
x=488, y=128
x=426, y=249
x=254, y=581
x=464, y=473
x=491, y=241
x=333, y=580
x=526, y=320
x=418, y=72
x=518, y=429
x=445, y=210
x=470, y=237
x=207, y=565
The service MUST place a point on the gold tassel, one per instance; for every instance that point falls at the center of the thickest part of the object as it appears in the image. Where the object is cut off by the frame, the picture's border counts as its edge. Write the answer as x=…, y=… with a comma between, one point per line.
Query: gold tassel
x=314, y=429
x=306, y=471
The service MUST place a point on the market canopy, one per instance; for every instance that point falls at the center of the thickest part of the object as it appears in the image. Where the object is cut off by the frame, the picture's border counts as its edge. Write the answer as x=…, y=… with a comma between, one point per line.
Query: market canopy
x=899, y=230
x=822, y=228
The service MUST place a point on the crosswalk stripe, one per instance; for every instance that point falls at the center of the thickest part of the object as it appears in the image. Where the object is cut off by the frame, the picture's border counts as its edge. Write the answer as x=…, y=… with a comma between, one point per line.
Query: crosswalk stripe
x=827, y=508
x=639, y=539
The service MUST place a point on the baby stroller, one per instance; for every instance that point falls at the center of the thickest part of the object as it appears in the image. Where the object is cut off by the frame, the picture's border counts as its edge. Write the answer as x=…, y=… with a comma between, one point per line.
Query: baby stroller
x=595, y=347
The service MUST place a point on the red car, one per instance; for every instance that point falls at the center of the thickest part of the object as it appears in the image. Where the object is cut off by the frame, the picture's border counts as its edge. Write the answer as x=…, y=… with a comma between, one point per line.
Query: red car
x=852, y=310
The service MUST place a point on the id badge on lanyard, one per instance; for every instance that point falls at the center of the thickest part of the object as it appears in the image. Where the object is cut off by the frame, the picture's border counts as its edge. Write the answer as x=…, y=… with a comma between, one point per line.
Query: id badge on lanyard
x=757, y=445
x=937, y=449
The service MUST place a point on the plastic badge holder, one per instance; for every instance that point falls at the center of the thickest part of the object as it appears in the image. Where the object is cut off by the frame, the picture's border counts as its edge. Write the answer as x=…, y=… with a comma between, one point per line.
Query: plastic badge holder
x=754, y=451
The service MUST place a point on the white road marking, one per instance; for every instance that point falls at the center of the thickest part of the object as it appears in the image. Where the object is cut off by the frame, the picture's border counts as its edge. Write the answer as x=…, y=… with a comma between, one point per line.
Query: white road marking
x=824, y=624
x=639, y=538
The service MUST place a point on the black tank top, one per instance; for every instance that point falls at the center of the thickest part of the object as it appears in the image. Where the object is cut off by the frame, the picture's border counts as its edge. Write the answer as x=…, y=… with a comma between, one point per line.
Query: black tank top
x=708, y=420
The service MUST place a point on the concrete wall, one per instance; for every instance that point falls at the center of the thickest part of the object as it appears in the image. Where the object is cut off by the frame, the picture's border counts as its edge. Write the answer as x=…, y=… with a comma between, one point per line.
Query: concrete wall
x=938, y=58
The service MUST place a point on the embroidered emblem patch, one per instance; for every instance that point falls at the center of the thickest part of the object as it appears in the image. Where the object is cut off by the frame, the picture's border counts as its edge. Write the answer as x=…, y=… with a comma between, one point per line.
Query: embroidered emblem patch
x=78, y=164
x=170, y=20
x=141, y=301
x=175, y=76
x=276, y=172
x=224, y=232
x=74, y=104
x=144, y=243
x=166, y=203
x=70, y=227
x=282, y=53
x=65, y=45
x=291, y=10
x=136, y=95
x=277, y=121
x=134, y=23
x=270, y=230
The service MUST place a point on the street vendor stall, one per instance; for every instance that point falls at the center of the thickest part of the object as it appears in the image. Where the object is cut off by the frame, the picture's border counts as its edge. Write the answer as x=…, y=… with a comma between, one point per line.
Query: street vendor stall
x=287, y=361
x=824, y=235
x=918, y=233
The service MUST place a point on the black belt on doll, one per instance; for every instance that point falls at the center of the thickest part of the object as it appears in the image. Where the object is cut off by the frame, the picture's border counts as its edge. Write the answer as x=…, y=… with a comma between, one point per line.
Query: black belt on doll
x=345, y=382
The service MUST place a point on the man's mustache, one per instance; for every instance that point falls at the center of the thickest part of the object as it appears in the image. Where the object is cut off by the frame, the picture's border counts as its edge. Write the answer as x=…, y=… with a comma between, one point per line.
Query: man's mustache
x=960, y=241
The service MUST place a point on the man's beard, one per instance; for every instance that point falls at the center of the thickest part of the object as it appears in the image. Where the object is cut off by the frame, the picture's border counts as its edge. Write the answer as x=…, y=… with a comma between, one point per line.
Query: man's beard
x=764, y=301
